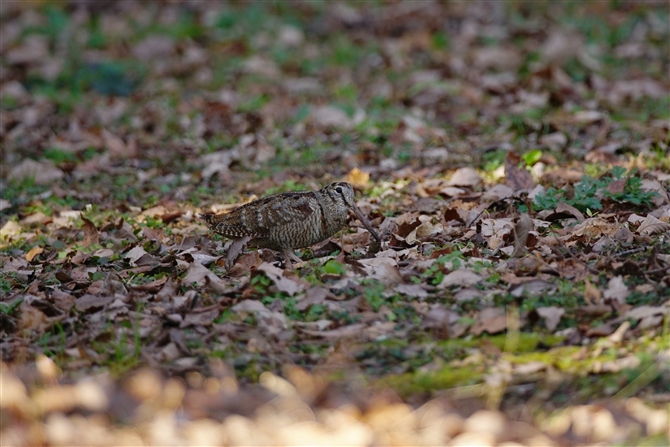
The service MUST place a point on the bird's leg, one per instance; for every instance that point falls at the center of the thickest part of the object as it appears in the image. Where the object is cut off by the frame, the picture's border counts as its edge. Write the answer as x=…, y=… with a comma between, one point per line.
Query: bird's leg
x=288, y=257
x=234, y=250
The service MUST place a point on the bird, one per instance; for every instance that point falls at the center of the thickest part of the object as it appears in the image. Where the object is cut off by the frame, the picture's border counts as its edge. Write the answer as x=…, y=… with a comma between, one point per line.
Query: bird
x=287, y=221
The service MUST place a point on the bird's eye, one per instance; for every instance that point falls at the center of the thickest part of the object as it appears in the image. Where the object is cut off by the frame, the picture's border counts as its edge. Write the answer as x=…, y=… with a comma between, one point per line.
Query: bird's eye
x=338, y=189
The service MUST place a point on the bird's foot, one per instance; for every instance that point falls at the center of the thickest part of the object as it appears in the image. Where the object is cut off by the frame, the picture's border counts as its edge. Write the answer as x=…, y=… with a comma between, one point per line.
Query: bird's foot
x=289, y=258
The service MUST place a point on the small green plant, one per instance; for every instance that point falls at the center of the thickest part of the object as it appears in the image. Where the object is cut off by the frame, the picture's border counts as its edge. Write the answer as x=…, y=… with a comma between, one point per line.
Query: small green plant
x=374, y=293
x=532, y=157
x=493, y=160
x=334, y=268
x=436, y=271
x=7, y=309
x=587, y=194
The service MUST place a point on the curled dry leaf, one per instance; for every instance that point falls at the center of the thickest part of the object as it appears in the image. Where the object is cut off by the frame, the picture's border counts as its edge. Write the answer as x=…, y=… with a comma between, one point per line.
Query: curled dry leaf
x=652, y=225
x=566, y=208
x=91, y=235
x=135, y=254
x=521, y=231
x=35, y=251
x=661, y=196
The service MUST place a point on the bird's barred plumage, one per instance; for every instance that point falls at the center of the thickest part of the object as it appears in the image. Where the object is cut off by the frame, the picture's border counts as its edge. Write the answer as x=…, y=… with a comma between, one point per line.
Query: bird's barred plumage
x=290, y=220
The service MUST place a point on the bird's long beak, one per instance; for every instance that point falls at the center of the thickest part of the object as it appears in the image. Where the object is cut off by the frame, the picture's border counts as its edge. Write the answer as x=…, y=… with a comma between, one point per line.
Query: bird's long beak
x=365, y=223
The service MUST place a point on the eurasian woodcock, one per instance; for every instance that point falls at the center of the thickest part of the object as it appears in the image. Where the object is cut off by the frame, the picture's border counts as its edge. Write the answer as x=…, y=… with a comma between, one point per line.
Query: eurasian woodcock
x=286, y=221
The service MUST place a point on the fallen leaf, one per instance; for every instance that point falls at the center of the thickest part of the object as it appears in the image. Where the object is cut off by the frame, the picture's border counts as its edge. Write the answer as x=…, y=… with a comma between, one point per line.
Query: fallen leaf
x=521, y=231
x=34, y=49
x=200, y=317
x=197, y=273
x=491, y=319
x=517, y=178
x=464, y=177
x=461, y=277
x=35, y=251
x=134, y=254
x=566, y=208
x=91, y=235
x=616, y=290
x=284, y=284
x=382, y=268
x=358, y=178
x=592, y=294
x=90, y=302
x=412, y=290
x=552, y=316
x=43, y=173
x=652, y=225
x=154, y=47
x=329, y=116
x=117, y=148
x=617, y=186
x=351, y=330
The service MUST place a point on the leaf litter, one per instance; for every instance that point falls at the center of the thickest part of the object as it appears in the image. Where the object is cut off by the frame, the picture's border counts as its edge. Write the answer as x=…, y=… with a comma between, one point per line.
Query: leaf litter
x=520, y=294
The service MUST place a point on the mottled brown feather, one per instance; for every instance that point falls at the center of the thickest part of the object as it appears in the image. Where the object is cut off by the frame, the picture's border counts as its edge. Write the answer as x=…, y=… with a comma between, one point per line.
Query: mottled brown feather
x=289, y=220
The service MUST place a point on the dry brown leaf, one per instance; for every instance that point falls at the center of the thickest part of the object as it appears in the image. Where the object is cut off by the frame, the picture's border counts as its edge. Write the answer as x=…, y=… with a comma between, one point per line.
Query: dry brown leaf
x=521, y=231
x=566, y=208
x=592, y=294
x=197, y=273
x=661, y=197
x=154, y=47
x=461, y=277
x=117, y=148
x=412, y=290
x=497, y=192
x=652, y=225
x=491, y=319
x=617, y=186
x=35, y=251
x=90, y=302
x=34, y=49
x=200, y=317
x=43, y=173
x=352, y=330
x=465, y=177
x=616, y=290
x=382, y=268
x=517, y=178
x=552, y=316
x=358, y=178
x=284, y=284
x=330, y=116
x=91, y=235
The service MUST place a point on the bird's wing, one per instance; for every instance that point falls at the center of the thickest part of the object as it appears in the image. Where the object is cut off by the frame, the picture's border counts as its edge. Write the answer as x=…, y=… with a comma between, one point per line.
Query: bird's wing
x=256, y=218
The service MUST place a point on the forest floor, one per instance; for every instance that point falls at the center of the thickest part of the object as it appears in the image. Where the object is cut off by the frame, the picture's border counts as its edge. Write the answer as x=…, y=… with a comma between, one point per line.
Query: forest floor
x=514, y=158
